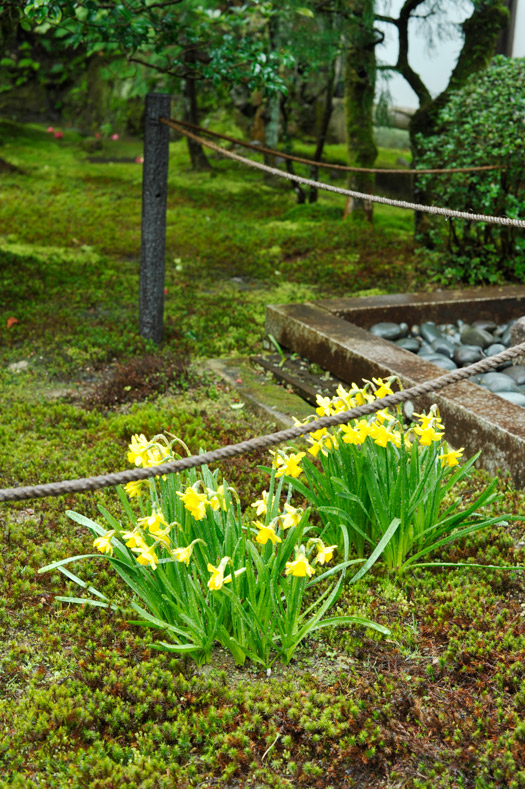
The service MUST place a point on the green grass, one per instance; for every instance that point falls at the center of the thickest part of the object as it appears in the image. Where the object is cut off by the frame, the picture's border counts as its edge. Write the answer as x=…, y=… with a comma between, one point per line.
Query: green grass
x=84, y=700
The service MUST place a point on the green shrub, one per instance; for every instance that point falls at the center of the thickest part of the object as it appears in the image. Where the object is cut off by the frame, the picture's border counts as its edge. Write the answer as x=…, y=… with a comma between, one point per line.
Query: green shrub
x=481, y=125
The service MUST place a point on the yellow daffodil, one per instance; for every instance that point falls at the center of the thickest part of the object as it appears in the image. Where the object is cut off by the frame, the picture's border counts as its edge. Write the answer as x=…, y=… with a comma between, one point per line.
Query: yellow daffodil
x=383, y=416
x=134, y=539
x=156, y=455
x=428, y=435
x=291, y=516
x=184, y=554
x=217, y=579
x=325, y=553
x=379, y=434
x=316, y=447
x=194, y=502
x=147, y=556
x=300, y=567
x=383, y=389
x=324, y=406
x=432, y=419
x=216, y=498
x=265, y=533
x=162, y=536
x=261, y=505
x=137, y=449
x=451, y=458
x=153, y=522
x=356, y=434
x=103, y=543
x=288, y=465
x=134, y=488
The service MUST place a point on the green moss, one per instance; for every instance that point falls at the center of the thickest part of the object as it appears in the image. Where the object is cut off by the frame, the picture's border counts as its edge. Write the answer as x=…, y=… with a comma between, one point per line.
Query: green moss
x=84, y=701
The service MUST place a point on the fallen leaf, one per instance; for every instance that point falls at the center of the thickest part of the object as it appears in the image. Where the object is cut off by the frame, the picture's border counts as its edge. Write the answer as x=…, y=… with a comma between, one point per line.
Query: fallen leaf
x=11, y=322
x=236, y=406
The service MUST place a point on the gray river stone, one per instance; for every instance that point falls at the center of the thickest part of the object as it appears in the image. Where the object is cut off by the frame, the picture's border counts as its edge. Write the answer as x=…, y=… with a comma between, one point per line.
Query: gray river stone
x=429, y=331
x=496, y=347
x=517, y=373
x=479, y=337
x=495, y=378
x=467, y=354
x=498, y=386
x=439, y=360
x=513, y=397
x=444, y=346
x=489, y=326
x=387, y=330
x=408, y=343
x=505, y=337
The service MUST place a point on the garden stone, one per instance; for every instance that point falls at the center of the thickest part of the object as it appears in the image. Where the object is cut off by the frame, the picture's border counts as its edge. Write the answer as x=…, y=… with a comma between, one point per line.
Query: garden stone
x=439, y=360
x=517, y=374
x=443, y=346
x=496, y=347
x=415, y=330
x=489, y=326
x=479, y=337
x=513, y=397
x=466, y=355
x=404, y=328
x=517, y=332
x=499, y=386
x=408, y=343
x=491, y=378
x=429, y=331
x=387, y=330
x=505, y=337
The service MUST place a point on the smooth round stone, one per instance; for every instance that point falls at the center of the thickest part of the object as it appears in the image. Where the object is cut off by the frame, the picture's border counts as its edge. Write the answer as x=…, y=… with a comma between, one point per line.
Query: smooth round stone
x=496, y=378
x=409, y=344
x=479, y=337
x=517, y=373
x=387, y=330
x=465, y=355
x=443, y=346
x=513, y=397
x=415, y=330
x=429, y=331
x=505, y=337
x=499, y=387
x=500, y=330
x=496, y=347
x=404, y=328
x=439, y=360
x=489, y=326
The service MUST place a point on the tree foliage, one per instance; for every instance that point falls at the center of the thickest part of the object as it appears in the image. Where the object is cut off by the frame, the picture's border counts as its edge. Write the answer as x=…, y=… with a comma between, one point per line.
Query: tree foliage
x=481, y=124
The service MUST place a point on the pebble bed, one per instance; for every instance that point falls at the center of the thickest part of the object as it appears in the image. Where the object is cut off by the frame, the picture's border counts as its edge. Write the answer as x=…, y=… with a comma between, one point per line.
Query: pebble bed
x=453, y=345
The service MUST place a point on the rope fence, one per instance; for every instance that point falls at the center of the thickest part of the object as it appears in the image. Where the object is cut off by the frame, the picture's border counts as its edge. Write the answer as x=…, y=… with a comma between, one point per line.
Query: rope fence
x=429, y=209
x=342, y=167
x=259, y=442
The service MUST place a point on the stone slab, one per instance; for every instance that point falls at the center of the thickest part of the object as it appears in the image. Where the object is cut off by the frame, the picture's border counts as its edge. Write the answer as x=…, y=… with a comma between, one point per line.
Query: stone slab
x=474, y=418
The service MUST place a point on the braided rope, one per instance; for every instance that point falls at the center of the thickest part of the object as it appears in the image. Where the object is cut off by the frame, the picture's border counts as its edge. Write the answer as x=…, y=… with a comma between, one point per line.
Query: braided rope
x=343, y=167
x=429, y=209
x=259, y=442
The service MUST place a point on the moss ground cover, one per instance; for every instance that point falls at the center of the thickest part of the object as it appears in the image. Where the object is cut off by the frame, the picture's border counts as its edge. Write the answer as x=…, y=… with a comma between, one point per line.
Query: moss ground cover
x=84, y=700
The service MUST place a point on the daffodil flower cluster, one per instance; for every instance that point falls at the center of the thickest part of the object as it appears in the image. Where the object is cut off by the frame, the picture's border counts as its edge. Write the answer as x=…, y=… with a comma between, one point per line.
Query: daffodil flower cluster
x=203, y=572
x=371, y=472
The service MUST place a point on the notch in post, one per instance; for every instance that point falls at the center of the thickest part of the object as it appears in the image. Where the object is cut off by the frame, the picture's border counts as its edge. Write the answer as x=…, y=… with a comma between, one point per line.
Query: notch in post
x=154, y=201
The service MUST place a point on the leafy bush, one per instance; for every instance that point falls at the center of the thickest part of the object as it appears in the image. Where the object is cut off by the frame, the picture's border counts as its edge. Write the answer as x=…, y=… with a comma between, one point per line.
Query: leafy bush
x=481, y=125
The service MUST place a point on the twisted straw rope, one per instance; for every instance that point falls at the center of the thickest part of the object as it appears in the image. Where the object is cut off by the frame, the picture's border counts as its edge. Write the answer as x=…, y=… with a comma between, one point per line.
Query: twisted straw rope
x=429, y=209
x=259, y=442
x=344, y=167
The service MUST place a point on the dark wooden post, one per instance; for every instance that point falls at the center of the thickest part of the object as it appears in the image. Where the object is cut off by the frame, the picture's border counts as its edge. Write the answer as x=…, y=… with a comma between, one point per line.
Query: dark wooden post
x=154, y=199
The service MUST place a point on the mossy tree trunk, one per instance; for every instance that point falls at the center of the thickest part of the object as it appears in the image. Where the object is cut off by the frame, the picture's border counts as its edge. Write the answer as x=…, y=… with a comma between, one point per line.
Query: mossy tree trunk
x=199, y=160
x=360, y=81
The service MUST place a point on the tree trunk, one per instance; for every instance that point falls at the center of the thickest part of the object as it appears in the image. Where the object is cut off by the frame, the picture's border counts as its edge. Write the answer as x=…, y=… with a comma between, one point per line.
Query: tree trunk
x=323, y=131
x=360, y=78
x=199, y=160
x=272, y=111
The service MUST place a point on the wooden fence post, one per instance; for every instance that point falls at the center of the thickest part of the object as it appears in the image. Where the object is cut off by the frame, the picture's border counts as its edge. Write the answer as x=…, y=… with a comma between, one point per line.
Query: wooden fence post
x=154, y=199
